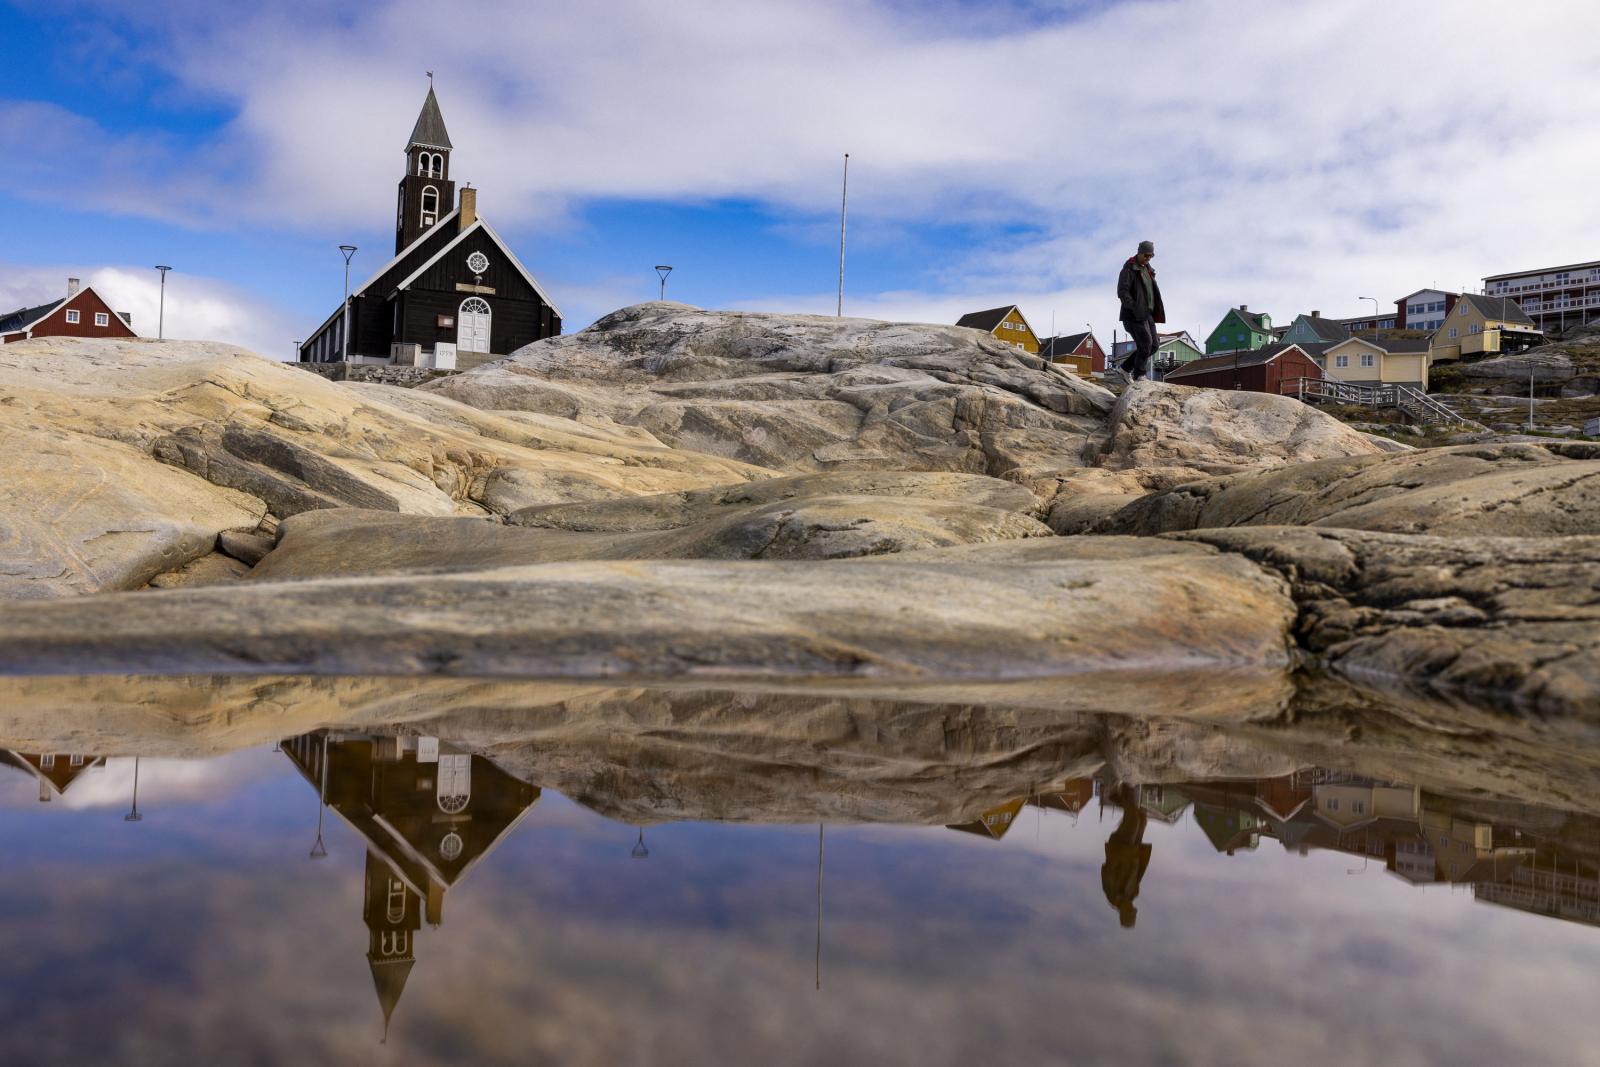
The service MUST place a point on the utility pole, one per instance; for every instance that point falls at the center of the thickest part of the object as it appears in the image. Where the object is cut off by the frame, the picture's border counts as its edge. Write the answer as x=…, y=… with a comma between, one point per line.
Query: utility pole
x=344, y=327
x=844, y=199
x=1530, y=394
x=161, y=314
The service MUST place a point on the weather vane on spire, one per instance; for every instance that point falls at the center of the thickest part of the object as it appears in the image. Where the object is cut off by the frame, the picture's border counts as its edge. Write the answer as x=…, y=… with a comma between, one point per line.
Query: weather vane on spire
x=430, y=79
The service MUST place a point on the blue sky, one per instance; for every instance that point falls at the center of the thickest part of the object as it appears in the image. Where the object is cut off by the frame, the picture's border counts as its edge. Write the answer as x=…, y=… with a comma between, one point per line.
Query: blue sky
x=1288, y=155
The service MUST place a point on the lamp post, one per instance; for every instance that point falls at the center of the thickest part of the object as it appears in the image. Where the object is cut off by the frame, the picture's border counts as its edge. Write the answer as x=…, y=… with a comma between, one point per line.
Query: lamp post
x=161, y=313
x=639, y=852
x=1375, y=307
x=663, y=270
x=134, y=816
x=844, y=199
x=344, y=327
x=318, y=849
x=296, y=350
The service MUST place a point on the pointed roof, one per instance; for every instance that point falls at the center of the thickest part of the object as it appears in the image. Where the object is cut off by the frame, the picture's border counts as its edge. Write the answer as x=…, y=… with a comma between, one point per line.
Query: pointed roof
x=986, y=320
x=429, y=132
x=389, y=979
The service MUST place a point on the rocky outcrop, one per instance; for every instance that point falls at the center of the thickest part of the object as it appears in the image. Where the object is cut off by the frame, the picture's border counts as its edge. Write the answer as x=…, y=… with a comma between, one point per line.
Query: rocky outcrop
x=803, y=393
x=1500, y=623
x=1021, y=626
x=1218, y=431
x=324, y=544
x=125, y=459
x=1472, y=490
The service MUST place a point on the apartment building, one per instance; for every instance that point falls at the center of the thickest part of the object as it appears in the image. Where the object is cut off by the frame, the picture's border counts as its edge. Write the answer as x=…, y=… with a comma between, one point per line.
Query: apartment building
x=1553, y=297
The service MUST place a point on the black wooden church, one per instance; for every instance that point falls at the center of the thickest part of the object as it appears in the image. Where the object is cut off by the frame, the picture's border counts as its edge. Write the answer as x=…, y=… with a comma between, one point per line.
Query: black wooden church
x=454, y=295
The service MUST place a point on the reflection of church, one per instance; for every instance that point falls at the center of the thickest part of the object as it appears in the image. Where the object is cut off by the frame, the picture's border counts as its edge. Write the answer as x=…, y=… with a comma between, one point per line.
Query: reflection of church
x=55, y=771
x=427, y=814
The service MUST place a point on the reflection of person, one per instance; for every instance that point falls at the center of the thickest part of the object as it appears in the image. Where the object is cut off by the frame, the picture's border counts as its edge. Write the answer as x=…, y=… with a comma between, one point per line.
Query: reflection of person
x=1140, y=298
x=1127, y=856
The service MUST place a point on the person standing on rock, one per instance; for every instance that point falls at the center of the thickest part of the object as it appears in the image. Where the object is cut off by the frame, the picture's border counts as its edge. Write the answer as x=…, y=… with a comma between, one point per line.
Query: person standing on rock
x=1141, y=310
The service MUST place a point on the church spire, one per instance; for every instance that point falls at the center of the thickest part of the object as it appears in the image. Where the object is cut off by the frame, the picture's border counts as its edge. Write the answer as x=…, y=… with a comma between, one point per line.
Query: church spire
x=429, y=131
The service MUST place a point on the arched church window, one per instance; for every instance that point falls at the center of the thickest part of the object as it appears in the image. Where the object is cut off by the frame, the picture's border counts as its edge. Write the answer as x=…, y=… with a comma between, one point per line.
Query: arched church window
x=430, y=206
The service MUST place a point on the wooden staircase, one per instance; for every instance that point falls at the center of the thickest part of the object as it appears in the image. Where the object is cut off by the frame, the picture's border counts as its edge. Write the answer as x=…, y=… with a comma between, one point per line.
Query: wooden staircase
x=1411, y=402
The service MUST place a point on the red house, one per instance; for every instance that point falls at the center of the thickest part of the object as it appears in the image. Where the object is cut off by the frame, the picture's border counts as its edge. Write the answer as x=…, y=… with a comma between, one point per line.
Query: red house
x=1263, y=370
x=81, y=313
x=1080, y=351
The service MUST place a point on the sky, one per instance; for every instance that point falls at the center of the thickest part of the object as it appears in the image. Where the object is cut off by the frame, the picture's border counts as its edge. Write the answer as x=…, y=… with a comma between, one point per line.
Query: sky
x=1291, y=156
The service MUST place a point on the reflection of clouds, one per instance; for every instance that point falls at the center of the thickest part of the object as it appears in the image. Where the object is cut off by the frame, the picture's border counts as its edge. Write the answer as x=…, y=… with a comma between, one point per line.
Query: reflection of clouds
x=161, y=781
x=939, y=948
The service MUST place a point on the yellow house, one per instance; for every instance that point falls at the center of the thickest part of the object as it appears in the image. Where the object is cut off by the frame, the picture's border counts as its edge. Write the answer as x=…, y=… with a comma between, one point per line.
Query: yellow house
x=994, y=822
x=1484, y=326
x=1378, y=361
x=1005, y=323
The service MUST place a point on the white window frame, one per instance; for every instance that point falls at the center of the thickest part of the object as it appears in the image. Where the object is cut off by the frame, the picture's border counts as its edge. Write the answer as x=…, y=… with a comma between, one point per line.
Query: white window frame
x=1368, y=359
x=73, y=317
x=102, y=319
x=427, y=217
x=1341, y=360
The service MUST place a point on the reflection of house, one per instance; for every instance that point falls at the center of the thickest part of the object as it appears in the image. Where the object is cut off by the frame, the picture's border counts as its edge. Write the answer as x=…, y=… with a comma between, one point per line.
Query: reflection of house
x=1005, y=323
x=1163, y=802
x=1072, y=796
x=55, y=771
x=994, y=822
x=427, y=814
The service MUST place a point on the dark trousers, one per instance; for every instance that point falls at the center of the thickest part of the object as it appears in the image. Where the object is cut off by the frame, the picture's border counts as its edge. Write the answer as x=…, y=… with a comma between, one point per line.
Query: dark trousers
x=1145, y=343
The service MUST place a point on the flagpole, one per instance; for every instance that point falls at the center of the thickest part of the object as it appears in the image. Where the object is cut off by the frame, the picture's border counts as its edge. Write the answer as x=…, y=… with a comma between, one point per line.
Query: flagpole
x=844, y=197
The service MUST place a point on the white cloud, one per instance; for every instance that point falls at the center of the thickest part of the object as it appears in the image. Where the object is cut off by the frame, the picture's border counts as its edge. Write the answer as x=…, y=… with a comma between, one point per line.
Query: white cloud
x=197, y=308
x=1286, y=155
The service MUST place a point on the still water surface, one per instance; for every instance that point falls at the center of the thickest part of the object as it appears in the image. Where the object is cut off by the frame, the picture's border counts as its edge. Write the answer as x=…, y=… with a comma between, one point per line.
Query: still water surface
x=383, y=896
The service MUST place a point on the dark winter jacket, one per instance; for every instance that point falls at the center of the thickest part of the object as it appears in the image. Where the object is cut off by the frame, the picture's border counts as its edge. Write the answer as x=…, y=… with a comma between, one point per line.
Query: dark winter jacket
x=1137, y=305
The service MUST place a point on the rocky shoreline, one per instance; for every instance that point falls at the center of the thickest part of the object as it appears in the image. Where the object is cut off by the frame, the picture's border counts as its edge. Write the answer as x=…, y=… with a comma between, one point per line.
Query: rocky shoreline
x=783, y=504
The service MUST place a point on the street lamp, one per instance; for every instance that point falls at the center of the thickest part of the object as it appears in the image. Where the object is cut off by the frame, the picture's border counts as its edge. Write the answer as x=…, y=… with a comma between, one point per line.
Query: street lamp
x=134, y=816
x=161, y=314
x=344, y=329
x=663, y=270
x=1375, y=306
x=318, y=849
x=639, y=852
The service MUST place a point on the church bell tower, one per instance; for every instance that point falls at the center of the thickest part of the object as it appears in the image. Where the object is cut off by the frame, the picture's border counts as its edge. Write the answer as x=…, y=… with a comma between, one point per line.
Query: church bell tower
x=426, y=193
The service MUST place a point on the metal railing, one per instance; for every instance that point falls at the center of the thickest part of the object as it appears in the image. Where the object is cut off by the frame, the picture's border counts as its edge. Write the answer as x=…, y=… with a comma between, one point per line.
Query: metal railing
x=1408, y=400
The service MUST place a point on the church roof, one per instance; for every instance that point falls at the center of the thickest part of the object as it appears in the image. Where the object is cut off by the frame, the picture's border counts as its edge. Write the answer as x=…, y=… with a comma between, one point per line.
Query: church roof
x=389, y=979
x=429, y=131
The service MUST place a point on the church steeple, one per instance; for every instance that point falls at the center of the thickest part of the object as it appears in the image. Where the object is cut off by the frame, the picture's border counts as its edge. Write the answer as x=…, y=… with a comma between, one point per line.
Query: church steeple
x=426, y=193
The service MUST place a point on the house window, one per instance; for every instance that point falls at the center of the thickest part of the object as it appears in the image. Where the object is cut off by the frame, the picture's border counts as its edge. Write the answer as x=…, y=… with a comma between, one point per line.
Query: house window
x=102, y=319
x=46, y=762
x=1473, y=328
x=1462, y=310
x=1333, y=803
x=1341, y=361
x=1367, y=359
x=72, y=317
x=1452, y=331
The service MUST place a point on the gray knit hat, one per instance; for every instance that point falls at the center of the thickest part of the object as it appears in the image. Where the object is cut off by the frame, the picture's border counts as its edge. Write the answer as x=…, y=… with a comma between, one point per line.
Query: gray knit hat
x=1147, y=246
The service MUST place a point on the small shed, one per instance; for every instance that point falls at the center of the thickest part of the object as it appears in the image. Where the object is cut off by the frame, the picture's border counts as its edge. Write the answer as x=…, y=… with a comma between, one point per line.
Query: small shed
x=1262, y=370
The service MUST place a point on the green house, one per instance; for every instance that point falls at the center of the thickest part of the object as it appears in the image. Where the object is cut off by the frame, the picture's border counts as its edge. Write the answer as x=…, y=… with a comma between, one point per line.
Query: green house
x=1239, y=329
x=1314, y=329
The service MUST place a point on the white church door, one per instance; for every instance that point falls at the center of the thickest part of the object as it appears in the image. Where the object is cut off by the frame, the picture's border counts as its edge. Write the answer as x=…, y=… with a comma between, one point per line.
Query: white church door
x=472, y=326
